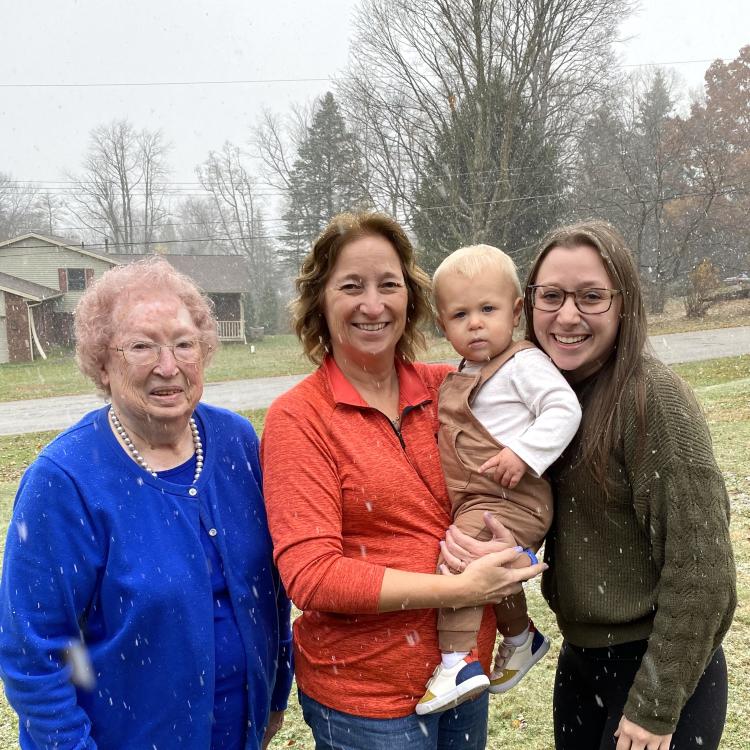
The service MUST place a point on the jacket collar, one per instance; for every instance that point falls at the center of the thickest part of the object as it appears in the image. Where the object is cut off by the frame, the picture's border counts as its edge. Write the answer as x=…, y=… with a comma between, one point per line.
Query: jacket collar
x=412, y=390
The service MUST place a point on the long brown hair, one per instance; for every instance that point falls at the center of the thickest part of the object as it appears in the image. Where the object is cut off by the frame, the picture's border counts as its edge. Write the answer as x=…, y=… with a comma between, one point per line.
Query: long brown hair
x=307, y=308
x=602, y=413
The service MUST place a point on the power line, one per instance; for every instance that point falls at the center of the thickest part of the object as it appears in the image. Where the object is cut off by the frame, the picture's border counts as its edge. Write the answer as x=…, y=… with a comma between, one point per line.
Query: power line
x=123, y=84
x=86, y=182
x=286, y=236
x=264, y=81
x=548, y=196
x=79, y=192
x=673, y=62
x=77, y=188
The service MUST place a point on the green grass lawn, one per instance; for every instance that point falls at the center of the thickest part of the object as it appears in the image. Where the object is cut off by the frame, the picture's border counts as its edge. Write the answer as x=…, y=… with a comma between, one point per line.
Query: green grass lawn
x=521, y=720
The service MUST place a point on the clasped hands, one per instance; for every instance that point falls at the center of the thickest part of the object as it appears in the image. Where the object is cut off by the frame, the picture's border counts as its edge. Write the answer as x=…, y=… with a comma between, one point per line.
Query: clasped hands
x=481, y=559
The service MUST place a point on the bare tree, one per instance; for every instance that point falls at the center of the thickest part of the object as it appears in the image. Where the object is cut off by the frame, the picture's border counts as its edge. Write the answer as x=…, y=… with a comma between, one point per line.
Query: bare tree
x=199, y=225
x=120, y=192
x=652, y=173
x=152, y=150
x=241, y=225
x=276, y=142
x=20, y=209
x=226, y=178
x=505, y=79
x=50, y=207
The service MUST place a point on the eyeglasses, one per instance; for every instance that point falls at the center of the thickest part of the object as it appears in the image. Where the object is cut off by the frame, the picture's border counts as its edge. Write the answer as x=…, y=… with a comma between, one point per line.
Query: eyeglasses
x=590, y=301
x=190, y=351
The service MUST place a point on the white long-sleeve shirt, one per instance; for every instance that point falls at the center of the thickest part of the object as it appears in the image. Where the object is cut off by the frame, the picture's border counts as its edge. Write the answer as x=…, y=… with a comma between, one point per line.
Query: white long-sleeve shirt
x=528, y=406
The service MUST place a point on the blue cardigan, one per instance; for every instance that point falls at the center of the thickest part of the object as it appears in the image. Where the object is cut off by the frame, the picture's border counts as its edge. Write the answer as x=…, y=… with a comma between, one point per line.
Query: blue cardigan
x=99, y=549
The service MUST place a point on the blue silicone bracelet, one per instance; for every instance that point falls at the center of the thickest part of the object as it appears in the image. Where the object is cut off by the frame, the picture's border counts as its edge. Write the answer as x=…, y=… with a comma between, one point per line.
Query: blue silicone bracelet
x=531, y=555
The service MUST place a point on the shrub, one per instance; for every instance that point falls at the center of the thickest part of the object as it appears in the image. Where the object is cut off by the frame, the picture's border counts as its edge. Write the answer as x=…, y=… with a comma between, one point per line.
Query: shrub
x=702, y=281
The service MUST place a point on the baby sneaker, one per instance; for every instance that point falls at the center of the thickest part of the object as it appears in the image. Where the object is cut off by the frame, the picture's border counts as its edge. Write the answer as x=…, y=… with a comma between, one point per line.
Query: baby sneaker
x=513, y=662
x=450, y=686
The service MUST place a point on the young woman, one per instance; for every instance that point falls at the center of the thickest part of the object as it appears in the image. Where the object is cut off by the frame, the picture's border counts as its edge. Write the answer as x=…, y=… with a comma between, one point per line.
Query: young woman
x=642, y=577
x=641, y=573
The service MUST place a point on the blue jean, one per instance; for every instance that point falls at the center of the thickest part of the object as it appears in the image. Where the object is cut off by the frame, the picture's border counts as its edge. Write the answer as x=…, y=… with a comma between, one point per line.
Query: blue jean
x=461, y=728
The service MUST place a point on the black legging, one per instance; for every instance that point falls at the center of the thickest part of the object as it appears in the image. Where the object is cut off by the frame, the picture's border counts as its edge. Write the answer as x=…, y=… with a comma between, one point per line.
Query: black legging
x=591, y=688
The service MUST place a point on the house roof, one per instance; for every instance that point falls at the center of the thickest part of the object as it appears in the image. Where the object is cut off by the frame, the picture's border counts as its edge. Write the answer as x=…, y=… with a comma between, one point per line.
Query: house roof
x=218, y=274
x=27, y=289
x=59, y=242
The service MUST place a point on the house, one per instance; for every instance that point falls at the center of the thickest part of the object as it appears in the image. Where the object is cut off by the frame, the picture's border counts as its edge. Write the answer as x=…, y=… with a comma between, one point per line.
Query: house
x=17, y=320
x=42, y=279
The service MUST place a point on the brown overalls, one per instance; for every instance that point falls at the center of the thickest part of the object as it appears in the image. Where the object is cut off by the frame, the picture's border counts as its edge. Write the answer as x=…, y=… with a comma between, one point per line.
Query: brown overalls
x=526, y=510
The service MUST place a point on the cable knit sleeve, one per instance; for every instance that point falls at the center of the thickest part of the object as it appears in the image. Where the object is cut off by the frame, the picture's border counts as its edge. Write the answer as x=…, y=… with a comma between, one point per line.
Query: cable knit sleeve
x=682, y=504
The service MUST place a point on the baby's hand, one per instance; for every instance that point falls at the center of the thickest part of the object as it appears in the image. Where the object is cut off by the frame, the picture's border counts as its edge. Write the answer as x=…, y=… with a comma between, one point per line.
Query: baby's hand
x=506, y=468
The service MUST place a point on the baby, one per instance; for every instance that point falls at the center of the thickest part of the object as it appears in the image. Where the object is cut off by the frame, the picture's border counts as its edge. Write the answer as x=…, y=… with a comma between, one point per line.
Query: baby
x=506, y=397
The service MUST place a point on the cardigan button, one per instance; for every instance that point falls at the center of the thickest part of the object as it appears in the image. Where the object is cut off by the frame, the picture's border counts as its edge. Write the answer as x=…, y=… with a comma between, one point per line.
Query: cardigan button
x=192, y=492
x=212, y=532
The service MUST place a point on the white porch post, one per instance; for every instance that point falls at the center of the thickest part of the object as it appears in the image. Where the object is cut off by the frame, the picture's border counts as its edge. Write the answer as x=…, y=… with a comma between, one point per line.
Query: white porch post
x=242, y=320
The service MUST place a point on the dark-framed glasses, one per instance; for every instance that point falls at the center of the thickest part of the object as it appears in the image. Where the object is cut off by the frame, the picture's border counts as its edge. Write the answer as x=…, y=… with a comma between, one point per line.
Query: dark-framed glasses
x=592, y=301
x=189, y=351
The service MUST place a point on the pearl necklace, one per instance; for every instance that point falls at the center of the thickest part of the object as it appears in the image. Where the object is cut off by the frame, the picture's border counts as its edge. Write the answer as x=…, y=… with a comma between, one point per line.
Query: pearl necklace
x=141, y=461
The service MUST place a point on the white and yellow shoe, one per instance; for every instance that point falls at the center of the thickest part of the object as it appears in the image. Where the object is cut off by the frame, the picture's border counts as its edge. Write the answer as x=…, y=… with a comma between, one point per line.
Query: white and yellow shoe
x=450, y=687
x=513, y=662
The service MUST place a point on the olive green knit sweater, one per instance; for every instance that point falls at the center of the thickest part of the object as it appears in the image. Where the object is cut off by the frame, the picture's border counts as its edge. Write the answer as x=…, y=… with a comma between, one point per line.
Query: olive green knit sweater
x=652, y=559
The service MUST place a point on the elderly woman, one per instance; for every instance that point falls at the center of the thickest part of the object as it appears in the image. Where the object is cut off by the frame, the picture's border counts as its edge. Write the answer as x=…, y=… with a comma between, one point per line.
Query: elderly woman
x=139, y=606
x=357, y=503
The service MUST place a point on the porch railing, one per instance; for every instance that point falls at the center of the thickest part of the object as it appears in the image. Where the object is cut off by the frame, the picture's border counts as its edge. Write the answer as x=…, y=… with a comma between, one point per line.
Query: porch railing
x=231, y=330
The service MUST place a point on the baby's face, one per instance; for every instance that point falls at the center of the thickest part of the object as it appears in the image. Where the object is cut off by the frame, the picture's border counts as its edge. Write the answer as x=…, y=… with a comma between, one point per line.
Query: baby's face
x=479, y=313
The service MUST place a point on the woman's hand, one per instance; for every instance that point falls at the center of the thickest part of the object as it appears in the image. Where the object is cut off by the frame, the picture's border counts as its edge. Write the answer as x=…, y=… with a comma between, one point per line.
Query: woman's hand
x=459, y=549
x=487, y=573
x=275, y=722
x=489, y=579
x=631, y=736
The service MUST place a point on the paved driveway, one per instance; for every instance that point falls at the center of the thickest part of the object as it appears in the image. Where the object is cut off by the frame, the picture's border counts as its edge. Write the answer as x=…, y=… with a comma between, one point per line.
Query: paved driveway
x=57, y=413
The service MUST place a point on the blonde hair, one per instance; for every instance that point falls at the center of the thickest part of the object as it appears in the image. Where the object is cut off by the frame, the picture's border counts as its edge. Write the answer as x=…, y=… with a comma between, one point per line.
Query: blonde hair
x=94, y=325
x=307, y=309
x=474, y=260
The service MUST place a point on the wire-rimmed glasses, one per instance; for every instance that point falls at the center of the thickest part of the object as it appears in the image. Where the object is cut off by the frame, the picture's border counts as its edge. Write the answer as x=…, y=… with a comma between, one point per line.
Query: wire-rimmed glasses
x=187, y=351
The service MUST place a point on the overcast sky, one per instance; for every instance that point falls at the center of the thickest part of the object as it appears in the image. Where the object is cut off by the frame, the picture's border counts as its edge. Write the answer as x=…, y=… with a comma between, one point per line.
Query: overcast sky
x=47, y=44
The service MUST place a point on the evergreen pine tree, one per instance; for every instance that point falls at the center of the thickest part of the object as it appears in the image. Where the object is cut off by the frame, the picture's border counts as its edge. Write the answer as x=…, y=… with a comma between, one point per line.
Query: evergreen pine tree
x=327, y=178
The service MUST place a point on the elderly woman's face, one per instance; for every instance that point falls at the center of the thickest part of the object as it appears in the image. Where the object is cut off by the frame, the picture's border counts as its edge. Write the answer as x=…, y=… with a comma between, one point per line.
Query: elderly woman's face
x=163, y=390
x=365, y=301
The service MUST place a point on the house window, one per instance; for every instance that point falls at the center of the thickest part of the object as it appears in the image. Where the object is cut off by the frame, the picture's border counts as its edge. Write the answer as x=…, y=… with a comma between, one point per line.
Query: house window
x=76, y=279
